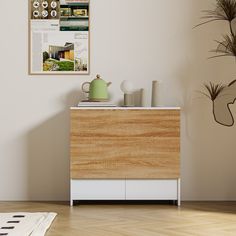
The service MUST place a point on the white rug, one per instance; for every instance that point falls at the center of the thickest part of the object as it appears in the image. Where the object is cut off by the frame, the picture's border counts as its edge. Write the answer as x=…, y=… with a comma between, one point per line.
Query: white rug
x=24, y=224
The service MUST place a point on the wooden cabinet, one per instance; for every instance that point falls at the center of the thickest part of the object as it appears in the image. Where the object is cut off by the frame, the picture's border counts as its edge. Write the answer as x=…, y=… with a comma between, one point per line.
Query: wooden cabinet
x=125, y=147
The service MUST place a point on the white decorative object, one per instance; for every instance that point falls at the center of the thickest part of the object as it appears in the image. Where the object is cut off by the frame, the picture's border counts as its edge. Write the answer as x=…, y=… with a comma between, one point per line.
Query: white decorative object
x=127, y=88
x=154, y=93
x=25, y=224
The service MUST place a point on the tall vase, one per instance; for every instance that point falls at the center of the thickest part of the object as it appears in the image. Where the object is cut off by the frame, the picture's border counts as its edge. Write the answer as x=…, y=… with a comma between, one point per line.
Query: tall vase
x=154, y=93
x=142, y=98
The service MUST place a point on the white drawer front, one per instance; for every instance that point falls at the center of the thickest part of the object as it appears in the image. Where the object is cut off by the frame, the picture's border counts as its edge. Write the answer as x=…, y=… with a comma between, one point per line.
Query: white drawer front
x=97, y=189
x=151, y=189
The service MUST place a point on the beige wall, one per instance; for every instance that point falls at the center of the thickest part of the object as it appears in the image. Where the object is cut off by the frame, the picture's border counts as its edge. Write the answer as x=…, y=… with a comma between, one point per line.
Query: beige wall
x=130, y=39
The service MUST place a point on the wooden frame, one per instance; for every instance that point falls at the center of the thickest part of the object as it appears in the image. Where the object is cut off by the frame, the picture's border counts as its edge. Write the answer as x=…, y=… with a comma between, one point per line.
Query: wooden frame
x=74, y=73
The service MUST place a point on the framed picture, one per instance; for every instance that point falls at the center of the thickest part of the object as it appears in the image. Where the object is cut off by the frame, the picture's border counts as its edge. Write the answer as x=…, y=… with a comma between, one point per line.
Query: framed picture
x=59, y=37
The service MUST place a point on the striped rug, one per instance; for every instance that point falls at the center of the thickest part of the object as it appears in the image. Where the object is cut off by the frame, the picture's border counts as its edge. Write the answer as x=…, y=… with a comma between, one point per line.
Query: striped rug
x=24, y=224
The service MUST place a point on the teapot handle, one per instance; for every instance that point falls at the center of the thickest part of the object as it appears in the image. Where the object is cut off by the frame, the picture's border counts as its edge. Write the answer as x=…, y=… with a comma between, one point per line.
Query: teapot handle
x=83, y=87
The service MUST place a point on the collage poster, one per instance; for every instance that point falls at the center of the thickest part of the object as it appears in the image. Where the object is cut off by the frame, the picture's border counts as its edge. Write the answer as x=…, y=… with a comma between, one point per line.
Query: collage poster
x=59, y=36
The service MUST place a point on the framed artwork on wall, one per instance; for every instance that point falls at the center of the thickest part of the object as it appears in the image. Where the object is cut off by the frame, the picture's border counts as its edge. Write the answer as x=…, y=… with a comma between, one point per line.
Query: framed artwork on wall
x=59, y=37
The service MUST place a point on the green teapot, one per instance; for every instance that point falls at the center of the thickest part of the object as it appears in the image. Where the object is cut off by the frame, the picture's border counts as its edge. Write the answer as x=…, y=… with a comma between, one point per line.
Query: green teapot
x=97, y=89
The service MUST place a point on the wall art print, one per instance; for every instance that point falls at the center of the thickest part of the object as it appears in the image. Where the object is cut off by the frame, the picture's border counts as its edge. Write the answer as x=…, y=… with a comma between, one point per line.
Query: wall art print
x=222, y=95
x=59, y=37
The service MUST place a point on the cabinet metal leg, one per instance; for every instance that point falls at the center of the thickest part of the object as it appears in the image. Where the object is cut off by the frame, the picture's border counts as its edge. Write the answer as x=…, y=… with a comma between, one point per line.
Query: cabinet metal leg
x=71, y=202
x=179, y=195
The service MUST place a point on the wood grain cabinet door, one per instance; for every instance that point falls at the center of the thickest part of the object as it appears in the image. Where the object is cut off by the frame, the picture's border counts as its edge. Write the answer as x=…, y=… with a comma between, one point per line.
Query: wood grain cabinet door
x=125, y=144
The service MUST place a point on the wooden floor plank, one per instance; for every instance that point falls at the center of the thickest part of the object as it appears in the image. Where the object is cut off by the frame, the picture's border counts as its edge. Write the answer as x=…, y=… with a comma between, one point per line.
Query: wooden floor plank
x=192, y=218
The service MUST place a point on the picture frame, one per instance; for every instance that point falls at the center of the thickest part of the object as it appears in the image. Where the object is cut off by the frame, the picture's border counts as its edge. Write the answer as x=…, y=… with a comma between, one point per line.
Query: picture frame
x=59, y=37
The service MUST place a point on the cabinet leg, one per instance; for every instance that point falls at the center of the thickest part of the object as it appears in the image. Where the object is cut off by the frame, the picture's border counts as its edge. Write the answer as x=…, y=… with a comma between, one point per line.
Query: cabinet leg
x=178, y=203
x=71, y=202
x=179, y=195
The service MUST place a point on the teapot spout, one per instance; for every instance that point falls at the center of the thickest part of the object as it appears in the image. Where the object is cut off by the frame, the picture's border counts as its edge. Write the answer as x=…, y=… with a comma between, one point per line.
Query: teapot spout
x=108, y=84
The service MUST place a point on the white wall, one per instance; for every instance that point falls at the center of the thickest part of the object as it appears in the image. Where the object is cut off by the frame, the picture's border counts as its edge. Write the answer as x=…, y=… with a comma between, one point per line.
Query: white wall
x=130, y=39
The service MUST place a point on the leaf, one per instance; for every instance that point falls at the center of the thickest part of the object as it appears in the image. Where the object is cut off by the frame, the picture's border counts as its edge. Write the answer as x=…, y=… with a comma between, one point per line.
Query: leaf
x=224, y=10
x=214, y=90
x=222, y=47
x=227, y=47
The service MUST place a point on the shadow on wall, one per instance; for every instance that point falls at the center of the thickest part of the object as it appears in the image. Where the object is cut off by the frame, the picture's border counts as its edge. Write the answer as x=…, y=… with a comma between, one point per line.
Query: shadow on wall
x=48, y=155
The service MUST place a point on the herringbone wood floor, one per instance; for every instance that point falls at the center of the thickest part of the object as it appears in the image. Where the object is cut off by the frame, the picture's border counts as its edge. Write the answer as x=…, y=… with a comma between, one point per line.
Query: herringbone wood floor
x=195, y=219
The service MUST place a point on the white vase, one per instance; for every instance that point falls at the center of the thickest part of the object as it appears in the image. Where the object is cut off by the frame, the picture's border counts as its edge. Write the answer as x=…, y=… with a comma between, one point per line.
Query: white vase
x=142, y=98
x=154, y=93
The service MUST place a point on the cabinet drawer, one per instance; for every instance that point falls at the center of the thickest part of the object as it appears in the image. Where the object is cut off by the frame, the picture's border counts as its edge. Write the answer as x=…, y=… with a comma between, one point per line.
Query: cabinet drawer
x=151, y=189
x=98, y=189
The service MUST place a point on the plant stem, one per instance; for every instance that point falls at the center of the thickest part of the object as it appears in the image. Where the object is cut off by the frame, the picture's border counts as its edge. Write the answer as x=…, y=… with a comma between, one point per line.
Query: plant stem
x=231, y=29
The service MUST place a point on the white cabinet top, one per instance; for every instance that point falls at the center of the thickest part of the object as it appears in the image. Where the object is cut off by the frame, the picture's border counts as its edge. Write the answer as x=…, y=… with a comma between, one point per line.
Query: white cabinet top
x=126, y=108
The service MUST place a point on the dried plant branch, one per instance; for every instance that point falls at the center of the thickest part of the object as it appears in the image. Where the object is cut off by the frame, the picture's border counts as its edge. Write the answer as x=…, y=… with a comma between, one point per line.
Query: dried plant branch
x=227, y=47
x=225, y=10
x=214, y=90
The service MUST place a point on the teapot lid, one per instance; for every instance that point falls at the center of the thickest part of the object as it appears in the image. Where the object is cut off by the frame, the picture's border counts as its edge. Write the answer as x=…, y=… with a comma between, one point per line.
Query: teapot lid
x=98, y=76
